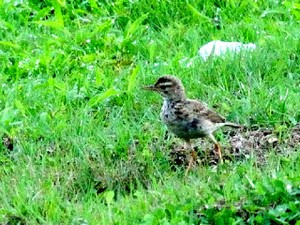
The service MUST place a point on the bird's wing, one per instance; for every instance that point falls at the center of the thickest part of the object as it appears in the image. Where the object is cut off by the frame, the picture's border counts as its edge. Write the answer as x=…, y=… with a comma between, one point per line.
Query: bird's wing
x=195, y=109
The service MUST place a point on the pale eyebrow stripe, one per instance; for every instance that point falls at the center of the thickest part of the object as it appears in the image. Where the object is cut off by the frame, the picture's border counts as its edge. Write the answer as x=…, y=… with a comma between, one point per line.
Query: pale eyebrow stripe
x=166, y=84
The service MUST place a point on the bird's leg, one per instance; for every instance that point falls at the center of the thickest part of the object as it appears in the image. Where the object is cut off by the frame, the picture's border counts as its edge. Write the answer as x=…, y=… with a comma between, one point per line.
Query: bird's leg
x=192, y=156
x=217, y=147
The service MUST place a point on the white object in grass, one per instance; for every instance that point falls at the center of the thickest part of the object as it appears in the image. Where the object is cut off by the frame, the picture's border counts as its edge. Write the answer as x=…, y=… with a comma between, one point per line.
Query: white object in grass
x=219, y=48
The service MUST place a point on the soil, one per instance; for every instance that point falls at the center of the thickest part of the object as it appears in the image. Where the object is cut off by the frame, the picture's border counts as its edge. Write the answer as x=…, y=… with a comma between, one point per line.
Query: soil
x=241, y=144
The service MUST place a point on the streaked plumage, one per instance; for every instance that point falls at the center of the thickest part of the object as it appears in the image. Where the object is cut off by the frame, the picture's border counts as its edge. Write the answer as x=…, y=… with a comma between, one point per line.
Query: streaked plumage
x=186, y=118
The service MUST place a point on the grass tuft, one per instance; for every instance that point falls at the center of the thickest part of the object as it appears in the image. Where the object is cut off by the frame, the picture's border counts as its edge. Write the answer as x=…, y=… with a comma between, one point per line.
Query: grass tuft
x=82, y=142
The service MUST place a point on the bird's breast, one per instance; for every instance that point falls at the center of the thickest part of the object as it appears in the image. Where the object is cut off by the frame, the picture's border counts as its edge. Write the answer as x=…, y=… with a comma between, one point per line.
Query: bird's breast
x=181, y=125
x=167, y=113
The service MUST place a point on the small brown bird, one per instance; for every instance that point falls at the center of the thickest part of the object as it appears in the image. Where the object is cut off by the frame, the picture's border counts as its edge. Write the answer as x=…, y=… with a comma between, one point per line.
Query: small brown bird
x=186, y=118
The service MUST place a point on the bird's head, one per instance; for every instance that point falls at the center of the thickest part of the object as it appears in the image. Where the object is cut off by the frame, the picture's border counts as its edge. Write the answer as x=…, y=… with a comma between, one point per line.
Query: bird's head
x=169, y=87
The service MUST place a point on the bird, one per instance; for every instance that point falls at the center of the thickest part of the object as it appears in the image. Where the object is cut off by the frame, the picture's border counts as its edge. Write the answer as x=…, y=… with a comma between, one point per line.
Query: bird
x=187, y=118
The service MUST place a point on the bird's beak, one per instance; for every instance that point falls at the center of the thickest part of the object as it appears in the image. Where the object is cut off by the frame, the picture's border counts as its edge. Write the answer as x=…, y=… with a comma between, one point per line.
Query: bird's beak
x=150, y=88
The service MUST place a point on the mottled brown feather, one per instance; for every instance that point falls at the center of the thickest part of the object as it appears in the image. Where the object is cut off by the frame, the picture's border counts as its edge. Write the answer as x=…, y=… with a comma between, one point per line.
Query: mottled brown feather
x=186, y=118
x=196, y=109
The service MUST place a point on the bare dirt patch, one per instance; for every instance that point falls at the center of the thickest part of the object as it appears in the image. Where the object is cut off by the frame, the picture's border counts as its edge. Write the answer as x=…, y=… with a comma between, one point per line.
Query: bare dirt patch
x=241, y=144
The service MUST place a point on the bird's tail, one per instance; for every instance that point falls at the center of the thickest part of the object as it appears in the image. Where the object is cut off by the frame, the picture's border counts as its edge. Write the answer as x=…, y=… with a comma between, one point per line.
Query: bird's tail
x=234, y=125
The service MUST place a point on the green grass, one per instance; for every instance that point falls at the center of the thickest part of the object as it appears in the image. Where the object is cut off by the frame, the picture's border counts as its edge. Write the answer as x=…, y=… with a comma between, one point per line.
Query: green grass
x=88, y=144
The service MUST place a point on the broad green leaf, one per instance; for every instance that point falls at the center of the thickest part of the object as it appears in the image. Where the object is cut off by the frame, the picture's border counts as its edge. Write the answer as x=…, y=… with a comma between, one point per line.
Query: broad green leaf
x=102, y=97
x=20, y=106
x=270, y=12
x=93, y=4
x=54, y=24
x=109, y=196
x=132, y=78
x=88, y=58
x=197, y=13
x=98, y=76
x=58, y=13
x=133, y=27
x=103, y=26
x=9, y=44
x=62, y=3
x=8, y=114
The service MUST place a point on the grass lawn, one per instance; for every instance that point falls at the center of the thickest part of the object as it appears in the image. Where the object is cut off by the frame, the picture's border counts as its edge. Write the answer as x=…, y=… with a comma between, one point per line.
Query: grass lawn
x=82, y=143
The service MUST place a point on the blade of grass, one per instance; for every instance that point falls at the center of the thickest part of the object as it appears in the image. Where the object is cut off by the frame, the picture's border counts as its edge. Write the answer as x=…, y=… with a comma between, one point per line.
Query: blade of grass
x=102, y=97
x=132, y=78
